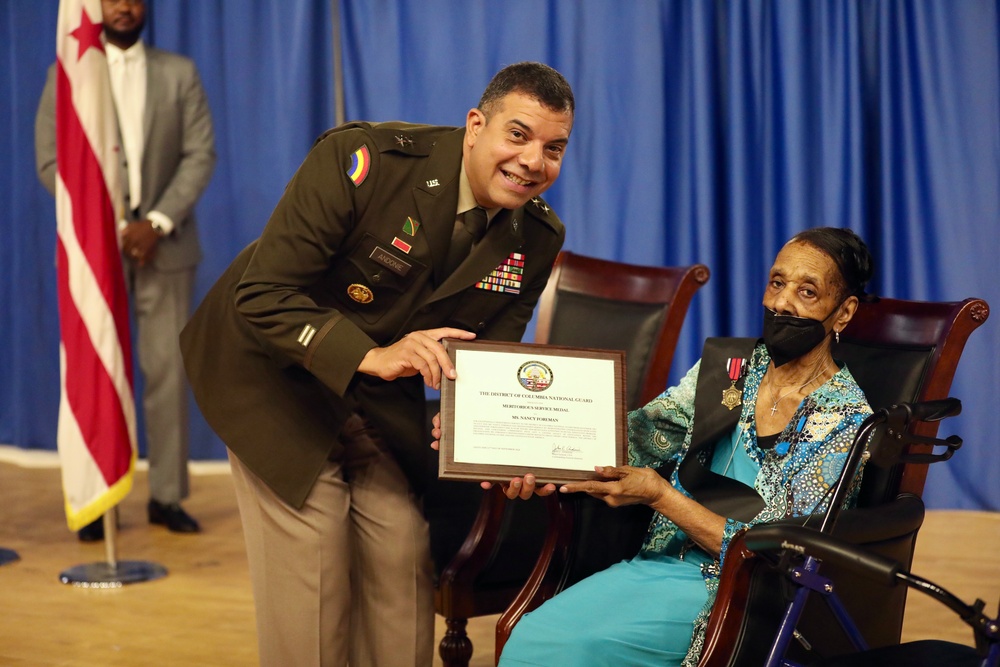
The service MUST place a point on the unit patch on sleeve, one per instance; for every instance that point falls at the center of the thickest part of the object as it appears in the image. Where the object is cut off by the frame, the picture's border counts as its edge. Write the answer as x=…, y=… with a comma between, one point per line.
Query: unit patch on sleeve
x=360, y=163
x=506, y=277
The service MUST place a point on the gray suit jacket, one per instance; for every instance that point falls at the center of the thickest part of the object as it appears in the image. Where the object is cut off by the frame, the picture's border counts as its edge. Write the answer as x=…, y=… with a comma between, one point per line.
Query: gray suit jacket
x=179, y=152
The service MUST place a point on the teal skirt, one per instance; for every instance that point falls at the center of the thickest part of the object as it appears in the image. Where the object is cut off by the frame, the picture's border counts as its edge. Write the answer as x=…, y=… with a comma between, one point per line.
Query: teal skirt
x=638, y=612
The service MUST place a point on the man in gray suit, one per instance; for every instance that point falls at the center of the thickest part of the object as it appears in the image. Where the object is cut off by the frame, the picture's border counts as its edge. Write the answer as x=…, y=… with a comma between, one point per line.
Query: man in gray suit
x=168, y=155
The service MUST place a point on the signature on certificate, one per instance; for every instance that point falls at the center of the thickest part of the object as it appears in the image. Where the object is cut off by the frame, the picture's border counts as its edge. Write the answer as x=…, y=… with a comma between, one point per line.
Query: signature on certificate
x=565, y=451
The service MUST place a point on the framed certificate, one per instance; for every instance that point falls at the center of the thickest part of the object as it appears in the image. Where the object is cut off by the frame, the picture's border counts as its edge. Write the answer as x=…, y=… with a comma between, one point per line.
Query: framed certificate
x=516, y=408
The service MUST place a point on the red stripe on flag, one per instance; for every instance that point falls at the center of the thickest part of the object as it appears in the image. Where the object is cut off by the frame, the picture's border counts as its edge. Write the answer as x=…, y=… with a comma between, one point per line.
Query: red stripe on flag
x=93, y=215
x=89, y=389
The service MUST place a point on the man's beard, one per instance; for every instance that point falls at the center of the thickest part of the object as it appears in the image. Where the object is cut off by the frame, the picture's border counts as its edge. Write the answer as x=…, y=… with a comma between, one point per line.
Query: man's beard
x=125, y=36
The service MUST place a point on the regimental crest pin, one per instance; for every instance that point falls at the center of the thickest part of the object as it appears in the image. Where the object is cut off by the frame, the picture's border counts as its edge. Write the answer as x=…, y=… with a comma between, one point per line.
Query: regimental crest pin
x=360, y=293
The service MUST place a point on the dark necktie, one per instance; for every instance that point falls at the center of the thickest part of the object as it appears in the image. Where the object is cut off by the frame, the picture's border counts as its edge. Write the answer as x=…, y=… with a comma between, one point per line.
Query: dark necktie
x=466, y=235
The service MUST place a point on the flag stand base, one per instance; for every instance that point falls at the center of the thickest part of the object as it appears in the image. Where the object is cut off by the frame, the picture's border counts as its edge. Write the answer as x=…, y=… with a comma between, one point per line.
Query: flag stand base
x=8, y=556
x=105, y=575
x=112, y=573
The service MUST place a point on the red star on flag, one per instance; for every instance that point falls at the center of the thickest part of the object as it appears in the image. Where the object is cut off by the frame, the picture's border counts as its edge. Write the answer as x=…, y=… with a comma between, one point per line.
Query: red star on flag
x=88, y=34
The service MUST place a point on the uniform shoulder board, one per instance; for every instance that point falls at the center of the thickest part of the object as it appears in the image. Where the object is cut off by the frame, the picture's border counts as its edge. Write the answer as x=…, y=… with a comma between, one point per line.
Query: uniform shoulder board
x=539, y=209
x=406, y=138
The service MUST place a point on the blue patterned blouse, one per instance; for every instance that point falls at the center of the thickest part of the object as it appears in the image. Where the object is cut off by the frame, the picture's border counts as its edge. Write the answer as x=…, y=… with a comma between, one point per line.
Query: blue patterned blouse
x=795, y=476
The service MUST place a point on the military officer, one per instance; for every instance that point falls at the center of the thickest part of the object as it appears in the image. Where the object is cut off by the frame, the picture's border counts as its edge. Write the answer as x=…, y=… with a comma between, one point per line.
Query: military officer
x=308, y=355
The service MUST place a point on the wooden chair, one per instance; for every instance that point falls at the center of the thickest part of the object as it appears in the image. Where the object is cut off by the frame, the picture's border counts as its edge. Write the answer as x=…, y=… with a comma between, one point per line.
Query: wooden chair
x=588, y=302
x=898, y=351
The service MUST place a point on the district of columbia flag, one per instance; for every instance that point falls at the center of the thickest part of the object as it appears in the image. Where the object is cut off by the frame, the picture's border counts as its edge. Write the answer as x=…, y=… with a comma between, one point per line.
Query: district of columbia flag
x=97, y=428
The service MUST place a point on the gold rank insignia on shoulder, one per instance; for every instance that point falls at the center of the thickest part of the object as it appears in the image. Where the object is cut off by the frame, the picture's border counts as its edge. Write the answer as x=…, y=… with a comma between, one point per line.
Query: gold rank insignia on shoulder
x=360, y=293
x=404, y=140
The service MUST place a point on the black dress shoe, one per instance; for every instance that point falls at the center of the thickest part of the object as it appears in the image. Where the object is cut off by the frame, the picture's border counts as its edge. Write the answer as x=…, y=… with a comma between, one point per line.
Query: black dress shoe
x=93, y=531
x=173, y=517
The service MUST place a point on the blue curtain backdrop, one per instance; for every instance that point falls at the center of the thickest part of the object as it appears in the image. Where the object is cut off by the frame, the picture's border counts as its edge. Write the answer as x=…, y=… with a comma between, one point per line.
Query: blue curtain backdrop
x=705, y=132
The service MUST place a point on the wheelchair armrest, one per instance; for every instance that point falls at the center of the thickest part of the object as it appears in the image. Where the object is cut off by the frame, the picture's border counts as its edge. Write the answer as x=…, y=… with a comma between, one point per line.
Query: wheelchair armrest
x=804, y=541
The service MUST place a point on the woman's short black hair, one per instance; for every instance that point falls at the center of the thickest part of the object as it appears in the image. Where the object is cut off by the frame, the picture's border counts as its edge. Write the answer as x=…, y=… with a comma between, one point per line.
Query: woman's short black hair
x=848, y=252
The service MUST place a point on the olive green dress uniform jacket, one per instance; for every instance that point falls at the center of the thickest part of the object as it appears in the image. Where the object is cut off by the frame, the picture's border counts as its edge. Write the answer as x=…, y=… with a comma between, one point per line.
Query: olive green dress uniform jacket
x=273, y=350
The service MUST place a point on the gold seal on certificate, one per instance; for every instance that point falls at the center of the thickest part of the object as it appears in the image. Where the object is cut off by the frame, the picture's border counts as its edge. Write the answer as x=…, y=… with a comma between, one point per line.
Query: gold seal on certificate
x=517, y=408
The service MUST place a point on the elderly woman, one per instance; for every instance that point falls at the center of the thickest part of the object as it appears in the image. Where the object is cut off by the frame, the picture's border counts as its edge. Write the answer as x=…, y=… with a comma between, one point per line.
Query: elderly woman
x=772, y=447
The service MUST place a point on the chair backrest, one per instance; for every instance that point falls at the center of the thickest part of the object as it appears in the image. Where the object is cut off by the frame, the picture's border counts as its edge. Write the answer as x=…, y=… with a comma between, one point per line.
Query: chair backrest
x=898, y=351
x=906, y=351
x=608, y=305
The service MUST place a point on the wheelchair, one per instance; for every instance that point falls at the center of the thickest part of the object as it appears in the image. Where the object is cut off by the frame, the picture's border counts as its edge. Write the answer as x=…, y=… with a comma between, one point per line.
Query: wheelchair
x=799, y=550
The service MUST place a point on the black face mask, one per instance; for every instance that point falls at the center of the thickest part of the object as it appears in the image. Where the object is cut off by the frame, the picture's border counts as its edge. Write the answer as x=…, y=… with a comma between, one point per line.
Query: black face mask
x=788, y=337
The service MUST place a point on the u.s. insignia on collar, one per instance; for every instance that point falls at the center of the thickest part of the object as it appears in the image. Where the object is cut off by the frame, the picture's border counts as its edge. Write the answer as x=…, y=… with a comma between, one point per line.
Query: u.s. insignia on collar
x=404, y=140
x=360, y=293
x=360, y=163
x=433, y=183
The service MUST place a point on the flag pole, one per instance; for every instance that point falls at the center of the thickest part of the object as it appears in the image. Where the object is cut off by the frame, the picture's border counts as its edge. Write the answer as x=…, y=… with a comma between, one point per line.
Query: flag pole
x=96, y=431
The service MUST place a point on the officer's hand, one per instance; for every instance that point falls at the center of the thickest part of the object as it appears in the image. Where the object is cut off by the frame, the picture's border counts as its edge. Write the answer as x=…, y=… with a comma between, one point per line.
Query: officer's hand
x=417, y=352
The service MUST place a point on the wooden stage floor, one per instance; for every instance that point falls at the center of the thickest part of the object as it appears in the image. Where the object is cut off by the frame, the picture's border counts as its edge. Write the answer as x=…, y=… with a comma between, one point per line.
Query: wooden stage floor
x=201, y=613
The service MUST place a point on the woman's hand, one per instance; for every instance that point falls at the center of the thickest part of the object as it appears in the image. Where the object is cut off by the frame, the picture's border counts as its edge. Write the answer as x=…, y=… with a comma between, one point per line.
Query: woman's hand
x=623, y=486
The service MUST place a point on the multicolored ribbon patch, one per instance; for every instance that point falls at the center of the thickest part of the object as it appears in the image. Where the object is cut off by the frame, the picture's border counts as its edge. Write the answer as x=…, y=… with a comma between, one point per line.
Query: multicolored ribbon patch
x=506, y=277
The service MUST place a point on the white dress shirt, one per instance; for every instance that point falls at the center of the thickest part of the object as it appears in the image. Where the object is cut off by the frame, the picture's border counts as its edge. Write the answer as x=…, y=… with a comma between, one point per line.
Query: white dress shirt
x=128, y=87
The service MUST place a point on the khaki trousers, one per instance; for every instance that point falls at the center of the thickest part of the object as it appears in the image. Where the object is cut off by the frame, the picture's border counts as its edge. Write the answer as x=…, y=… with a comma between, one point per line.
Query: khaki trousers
x=347, y=579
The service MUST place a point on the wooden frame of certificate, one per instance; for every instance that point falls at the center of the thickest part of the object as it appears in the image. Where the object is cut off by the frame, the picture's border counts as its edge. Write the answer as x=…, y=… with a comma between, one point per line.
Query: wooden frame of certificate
x=517, y=408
